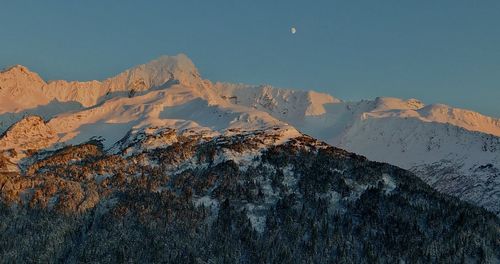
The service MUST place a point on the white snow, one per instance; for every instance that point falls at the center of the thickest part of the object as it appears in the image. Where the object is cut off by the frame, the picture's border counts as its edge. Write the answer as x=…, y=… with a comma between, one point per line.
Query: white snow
x=206, y=201
x=257, y=216
x=389, y=183
x=290, y=180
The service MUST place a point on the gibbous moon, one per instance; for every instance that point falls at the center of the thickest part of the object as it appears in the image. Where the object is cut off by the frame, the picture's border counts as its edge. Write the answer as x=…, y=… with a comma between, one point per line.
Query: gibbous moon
x=293, y=30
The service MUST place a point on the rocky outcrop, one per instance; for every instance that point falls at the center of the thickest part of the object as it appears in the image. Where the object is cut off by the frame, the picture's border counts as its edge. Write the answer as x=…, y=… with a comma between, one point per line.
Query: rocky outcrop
x=31, y=133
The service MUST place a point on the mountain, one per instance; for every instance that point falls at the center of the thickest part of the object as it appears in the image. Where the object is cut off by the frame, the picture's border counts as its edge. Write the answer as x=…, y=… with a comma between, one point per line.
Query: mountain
x=454, y=150
x=20, y=89
x=161, y=195
x=161, y=158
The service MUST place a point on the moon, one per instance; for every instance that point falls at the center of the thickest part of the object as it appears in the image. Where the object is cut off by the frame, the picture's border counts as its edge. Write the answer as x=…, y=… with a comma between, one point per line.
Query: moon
x=293, y=30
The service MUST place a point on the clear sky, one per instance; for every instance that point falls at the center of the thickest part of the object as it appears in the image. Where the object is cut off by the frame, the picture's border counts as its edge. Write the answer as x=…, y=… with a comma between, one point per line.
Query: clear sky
x=439, y=51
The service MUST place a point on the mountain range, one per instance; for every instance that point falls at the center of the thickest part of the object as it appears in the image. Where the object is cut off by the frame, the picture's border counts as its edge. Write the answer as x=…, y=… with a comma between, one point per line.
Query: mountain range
x=158, y=164
x=456, y=151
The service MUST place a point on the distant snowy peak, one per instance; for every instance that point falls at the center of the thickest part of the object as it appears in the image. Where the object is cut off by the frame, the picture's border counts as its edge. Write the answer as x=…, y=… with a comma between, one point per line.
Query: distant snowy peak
x=20, y=89
x=31, y=91
x=390, y=103
x=463, y=118
x=160, y=73
x=281, y=103
x=156, y=73
x=20, y=74
x=439, y=113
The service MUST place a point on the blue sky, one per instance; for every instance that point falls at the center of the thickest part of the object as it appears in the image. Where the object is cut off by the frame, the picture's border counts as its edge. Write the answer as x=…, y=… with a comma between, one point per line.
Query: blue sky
x=439, y=51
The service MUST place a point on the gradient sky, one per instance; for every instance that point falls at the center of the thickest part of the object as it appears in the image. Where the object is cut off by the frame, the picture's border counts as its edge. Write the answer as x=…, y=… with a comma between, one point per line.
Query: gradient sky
x=439, y=51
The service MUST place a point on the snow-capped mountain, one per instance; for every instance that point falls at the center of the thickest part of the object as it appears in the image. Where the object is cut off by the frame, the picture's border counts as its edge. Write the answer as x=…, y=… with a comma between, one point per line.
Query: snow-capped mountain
x=456, y=151
x=159, y=165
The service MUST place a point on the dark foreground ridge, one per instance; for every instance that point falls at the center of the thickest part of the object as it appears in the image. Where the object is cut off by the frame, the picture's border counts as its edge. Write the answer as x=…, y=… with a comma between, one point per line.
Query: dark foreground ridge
x=232, y=199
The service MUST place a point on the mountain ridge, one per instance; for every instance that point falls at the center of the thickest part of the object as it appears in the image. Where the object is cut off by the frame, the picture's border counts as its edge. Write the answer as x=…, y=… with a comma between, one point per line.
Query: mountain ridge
x=180, y=68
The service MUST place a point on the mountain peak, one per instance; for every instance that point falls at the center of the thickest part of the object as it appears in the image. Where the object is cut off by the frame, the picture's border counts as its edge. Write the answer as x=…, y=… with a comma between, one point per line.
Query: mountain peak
x=179, y=62
x=157, y=73
x=20, y=71
x=20, y=89
x=17, y=67
x=391, y=103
